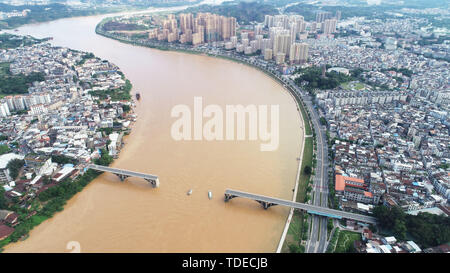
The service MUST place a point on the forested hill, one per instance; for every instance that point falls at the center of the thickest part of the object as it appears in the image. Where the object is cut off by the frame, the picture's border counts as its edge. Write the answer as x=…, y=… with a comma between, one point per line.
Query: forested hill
x=42, y=13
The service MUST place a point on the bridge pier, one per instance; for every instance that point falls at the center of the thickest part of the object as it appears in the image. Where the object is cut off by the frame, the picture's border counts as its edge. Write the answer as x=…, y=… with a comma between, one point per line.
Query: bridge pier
x=266, y=205
x=228, y=197
x=122, y=177
x=154, y=182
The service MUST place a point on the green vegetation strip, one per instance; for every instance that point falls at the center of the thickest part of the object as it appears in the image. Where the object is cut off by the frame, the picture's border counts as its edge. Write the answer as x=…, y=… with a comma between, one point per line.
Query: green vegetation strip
x=425, y=229
x=298, y=228
x=333, y=241
x=345, y=241
x=329, y=226
x=308, y=130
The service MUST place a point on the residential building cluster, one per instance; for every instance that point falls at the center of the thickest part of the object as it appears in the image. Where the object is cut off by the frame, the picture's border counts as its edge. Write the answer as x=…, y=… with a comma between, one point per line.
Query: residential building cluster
x=277, y=39
x=203, y=28
x=378, y=63
x=397, y=150
x=61, y=117
x=372, y=243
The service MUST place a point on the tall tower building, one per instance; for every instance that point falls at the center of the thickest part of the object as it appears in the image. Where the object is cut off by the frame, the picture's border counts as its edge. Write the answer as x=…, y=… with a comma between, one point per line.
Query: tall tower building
x=298, y=53
x=267, y=54
x=303, y=52
x=322, y=16
x=244, y=35
x=282, y=43
x=329, y=26
x=293, y=32
x=258, y=29
x=269, y=21
x=265, y=44
x=211, y=33
x=186, y=22
x=338, y=15
x=234, y=40
x=313, y=27
x=258, y=39
x=228, y=27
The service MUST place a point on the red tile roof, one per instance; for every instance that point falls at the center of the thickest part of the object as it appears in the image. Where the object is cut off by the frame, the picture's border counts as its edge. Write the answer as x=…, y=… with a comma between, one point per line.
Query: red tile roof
x=341, y=181
x=5, y=231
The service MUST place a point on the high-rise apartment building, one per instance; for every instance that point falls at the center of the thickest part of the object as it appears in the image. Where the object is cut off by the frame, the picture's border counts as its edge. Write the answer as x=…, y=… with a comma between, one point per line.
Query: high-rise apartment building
x=329, y=26
x=268, y=54
x=280, y=57
x=186, y=22
x=298, y=53
x=338, y=15
x=322, y=16
x=281, y=43
x=268, y=21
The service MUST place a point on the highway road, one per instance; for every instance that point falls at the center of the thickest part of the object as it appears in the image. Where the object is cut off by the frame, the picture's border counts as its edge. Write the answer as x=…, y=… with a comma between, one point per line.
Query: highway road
x=317, y=241
x=318, y=236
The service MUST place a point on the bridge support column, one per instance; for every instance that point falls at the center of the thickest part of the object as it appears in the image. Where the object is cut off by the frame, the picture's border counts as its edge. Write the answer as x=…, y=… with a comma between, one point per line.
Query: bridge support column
x=122, y=177
x=228, y=197
x=266, y=205
x=155, y=183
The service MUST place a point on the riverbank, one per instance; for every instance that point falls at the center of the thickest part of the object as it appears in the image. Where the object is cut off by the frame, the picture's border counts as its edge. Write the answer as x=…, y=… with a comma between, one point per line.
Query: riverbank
x=306, y=154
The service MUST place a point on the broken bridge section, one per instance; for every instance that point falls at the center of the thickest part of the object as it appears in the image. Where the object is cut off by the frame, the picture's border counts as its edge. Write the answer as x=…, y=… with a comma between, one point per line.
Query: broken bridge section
x=124, y=174
x=267, y=202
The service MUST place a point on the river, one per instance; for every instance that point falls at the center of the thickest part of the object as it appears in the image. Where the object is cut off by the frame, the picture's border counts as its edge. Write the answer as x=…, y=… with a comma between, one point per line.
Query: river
x=131, y=216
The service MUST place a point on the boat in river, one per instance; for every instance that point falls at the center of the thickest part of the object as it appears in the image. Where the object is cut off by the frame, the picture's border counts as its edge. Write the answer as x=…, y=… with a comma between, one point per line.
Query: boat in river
x=138, y=96
x=189, y=192
x=209, y=195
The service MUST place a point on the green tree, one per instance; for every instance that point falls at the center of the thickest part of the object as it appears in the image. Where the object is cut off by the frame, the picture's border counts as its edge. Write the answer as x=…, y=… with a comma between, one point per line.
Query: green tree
x=295, y=248
x=3, y=202
x=14, y=167
x=105, y=158
x=62, y=159
x=126, y=108
x=4, y=149
x=307, y=170
x=400, y=229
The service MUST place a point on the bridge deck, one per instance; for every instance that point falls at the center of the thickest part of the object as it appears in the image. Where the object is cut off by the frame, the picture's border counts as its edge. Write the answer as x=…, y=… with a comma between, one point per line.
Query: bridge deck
x=122, y=172
x=306, y=207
